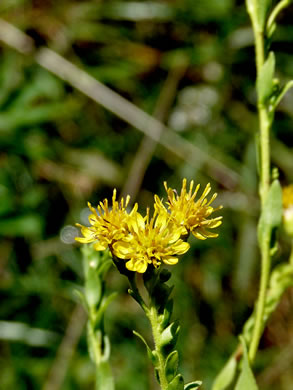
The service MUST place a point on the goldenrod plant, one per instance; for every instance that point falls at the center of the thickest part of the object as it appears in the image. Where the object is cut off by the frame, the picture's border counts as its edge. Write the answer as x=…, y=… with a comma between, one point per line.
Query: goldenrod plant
x=273, y=282
x=142, y=245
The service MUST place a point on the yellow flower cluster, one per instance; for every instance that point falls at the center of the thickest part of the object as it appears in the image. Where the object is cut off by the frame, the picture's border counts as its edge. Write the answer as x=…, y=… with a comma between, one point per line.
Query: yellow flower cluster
x=141, y=241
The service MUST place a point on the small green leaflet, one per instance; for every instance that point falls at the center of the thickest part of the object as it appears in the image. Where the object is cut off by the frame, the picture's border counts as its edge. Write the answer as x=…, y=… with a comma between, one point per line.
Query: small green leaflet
x=265, y=80
x=271, y=215
x=246, y=379
x=226, y=375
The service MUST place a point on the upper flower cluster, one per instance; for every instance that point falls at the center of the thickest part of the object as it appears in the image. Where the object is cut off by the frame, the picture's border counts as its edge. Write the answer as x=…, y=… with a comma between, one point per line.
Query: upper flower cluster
x=141, y=241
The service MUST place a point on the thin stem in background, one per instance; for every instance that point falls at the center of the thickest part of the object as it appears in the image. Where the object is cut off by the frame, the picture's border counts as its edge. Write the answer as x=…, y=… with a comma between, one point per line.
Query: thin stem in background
x=148, y=145
x=264, y=125
x=66, y=349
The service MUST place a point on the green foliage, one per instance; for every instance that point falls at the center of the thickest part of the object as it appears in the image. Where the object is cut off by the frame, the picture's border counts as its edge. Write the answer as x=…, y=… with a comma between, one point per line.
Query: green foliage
x=258, y=10
x=246, y=379
x=271, y=216
x=226, y=376
x=171, y=365
x=265, y=81
x=177, y=383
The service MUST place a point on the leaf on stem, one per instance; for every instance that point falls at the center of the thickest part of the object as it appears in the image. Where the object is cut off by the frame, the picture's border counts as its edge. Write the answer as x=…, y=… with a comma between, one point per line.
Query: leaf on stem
x=104, y=378
x=265, y=81
x=258, y=11
x=271, y=215
x=167, y=313
x=226, y=375
x=177, y=383
x=192, y=385
x=100, y=311
x=169, y=336
x=263, y=8
x=151, y=354
x=171, y=365
x=281, y=93
x=246, y=379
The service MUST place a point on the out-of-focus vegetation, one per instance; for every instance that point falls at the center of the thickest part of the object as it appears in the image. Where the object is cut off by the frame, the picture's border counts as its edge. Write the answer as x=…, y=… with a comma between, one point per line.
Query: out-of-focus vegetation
x=191, y=65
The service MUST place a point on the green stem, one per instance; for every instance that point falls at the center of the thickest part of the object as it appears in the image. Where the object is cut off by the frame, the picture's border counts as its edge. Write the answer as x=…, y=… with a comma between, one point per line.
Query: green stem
x=152, y=315
x=153, y=318
x=265, y=124
x=264, y=279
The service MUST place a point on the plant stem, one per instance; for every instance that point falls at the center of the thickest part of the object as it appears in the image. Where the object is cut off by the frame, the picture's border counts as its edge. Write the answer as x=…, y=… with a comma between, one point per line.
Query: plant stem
x=264, y=124
x=153, y=318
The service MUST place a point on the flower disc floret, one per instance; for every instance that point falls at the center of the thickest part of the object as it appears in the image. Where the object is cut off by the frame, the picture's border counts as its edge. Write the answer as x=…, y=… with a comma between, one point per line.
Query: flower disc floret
x=190, y=215
x=107, y=224
x=151, y=241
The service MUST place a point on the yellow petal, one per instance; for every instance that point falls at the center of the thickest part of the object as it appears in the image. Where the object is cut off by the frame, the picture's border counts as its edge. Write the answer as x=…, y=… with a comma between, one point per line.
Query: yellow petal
x=180, y=247
x=122, y=249
x=137, y=265
x=89, y=235
x=198, y=235
x=170, y=260
x=100, y=246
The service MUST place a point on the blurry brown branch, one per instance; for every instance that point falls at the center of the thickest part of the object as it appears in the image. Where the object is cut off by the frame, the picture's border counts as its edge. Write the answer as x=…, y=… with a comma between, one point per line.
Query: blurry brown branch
x=118, y=105
x=66, y=349
x=148, y=145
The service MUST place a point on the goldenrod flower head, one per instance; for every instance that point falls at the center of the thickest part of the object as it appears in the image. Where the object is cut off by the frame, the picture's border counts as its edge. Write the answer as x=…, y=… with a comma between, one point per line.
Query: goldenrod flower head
x=151, y=241
x=288, y=209
x=107, y=225
x=188, y=214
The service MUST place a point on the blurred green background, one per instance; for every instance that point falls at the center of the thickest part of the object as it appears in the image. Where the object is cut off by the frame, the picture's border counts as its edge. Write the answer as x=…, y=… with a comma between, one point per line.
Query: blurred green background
x=191, y=65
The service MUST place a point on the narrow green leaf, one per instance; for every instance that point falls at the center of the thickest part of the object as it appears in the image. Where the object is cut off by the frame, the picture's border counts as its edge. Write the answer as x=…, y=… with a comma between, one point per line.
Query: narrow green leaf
x=258, y=11
x=271, y=215
x=282, y=93
x=265, y=81
x=263, y=8
x=100, y=311
x=177, y=383
x=104, y=378
x=168, y=337
x=167, y=313
x=151, y=354
x=192, y=385
x=106, y=348
x=226, y=375
x=246, y=379
x=171, y=365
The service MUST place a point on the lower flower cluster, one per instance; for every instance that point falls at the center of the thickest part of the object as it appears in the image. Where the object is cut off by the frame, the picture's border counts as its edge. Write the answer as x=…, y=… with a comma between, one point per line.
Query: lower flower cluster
x=141, y=241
